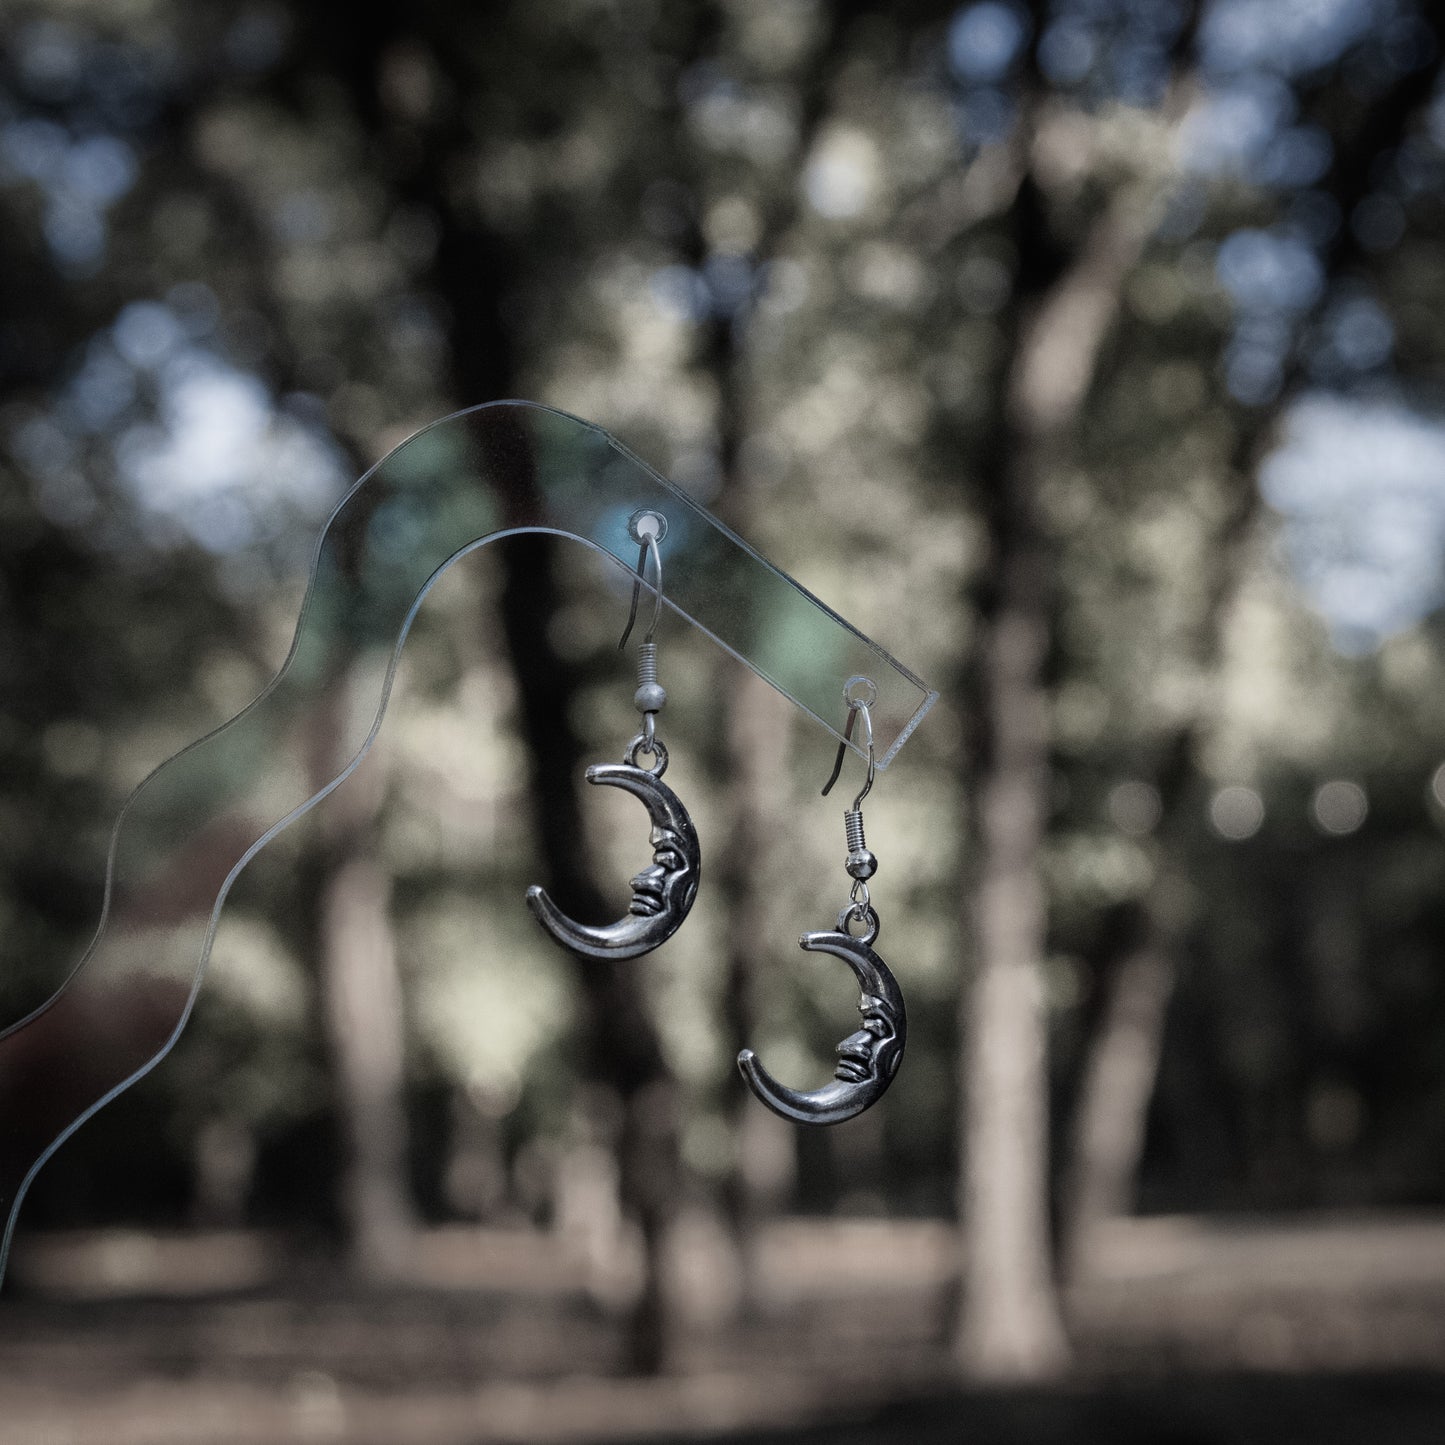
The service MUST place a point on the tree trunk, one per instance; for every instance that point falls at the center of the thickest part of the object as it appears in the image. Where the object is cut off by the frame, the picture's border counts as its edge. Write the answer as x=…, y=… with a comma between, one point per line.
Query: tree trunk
x=225, y=1166
x=362, y=997
x=1009, y=1327
x=1114, y=1095
x=755, y=716
x=476, y=270
x=621, y=1051
x=361, y=1006
x=756, y=726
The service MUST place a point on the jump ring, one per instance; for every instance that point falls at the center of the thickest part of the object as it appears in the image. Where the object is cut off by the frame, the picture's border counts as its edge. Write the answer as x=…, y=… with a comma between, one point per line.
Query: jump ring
x=643, y=744
x=867, y=915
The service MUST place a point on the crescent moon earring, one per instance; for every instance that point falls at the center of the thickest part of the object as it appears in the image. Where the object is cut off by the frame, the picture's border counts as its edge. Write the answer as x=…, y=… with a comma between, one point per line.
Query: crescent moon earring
x=869, y=1058
x=663, y=893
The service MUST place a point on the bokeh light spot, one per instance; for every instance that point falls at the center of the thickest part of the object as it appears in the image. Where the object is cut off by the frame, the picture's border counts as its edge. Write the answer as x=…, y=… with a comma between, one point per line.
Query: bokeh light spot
x=1135, y=807
x=1339, y=806
x=1236, y=812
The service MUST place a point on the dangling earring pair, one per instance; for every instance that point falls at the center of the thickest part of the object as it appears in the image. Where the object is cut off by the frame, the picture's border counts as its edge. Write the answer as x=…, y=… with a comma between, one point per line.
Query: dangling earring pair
x=663, y=894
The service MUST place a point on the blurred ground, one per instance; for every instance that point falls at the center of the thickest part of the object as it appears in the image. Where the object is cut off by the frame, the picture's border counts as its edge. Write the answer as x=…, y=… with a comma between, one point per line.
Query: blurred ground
x=1298, y=1331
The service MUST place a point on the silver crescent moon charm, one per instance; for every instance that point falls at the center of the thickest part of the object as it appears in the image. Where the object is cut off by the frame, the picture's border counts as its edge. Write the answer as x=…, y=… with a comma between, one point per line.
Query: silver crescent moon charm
x=867, y=1060
x=662, y=893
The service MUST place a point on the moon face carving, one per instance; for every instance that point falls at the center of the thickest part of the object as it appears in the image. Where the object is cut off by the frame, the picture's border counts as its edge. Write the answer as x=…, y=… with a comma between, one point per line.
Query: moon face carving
x=867, y=1059
x=662, y=894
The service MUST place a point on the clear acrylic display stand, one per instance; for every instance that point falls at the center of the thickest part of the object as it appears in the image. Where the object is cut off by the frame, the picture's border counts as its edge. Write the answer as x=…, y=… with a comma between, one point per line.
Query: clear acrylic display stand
x=490, y=472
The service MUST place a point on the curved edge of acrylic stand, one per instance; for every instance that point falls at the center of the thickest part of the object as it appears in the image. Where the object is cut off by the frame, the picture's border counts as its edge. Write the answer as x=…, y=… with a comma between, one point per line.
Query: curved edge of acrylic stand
x=115, y=1090
x=16, y=1174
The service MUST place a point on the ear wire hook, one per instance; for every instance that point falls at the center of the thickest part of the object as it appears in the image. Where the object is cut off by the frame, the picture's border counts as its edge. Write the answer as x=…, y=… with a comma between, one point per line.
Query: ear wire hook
x=648, y=529
x=855, y=707
x=842, y=748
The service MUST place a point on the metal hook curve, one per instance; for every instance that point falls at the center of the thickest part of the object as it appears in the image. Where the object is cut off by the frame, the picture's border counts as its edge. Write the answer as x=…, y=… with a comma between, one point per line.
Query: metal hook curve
x=855, y=708
x=647, y=528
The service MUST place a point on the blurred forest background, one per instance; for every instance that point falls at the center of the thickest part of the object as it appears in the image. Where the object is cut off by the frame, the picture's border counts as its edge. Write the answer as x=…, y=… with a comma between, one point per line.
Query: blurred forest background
x=1088, y=355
